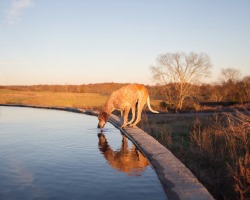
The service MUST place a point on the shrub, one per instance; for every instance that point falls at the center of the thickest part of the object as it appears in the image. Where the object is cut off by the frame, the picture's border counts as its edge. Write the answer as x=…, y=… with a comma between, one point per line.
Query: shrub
x=221, y=151
x=163, y=105
x=215, y=149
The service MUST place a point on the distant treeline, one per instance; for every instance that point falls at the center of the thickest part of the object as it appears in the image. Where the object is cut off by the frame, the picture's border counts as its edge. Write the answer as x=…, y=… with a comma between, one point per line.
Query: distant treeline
x=101, y=88
x=224, y=94
x=233, y=92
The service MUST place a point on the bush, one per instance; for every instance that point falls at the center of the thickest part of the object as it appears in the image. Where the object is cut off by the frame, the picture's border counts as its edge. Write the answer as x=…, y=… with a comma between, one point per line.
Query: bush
x=163, y=105
x=215, y=149
x=221, y=155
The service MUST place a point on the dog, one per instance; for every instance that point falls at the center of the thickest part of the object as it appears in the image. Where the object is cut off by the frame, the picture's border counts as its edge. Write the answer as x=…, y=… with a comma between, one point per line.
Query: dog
x=125, y=99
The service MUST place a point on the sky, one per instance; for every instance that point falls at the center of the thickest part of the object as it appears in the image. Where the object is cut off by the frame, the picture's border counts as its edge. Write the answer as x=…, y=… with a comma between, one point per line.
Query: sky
x=83, y=41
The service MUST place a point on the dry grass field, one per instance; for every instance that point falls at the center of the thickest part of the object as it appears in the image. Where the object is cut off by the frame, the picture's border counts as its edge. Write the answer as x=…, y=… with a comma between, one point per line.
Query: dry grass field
x=214, y=146
x=75, y=100
x=60, y=99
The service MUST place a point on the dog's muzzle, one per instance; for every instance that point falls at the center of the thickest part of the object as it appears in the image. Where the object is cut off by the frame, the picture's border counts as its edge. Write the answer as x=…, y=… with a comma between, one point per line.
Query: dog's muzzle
x=100, y=126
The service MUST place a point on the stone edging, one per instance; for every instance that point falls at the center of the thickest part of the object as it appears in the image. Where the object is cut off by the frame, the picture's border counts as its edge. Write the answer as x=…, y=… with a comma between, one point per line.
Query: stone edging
x=178, y=182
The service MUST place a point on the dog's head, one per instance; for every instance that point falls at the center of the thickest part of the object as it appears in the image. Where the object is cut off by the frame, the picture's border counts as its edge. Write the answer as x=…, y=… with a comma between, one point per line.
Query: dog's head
x=103, y=118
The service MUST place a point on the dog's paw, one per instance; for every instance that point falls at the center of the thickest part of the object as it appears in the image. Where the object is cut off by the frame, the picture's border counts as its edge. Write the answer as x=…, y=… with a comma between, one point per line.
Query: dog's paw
x=131, y=125
x=123, y=126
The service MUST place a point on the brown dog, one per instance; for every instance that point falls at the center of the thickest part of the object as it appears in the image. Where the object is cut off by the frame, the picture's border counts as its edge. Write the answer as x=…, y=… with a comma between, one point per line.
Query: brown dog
x=124, y=99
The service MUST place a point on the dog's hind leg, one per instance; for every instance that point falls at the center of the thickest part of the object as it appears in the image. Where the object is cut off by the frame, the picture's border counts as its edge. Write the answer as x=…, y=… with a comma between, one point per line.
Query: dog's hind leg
x=133, y=115
x=139, y=111
x=141, y=103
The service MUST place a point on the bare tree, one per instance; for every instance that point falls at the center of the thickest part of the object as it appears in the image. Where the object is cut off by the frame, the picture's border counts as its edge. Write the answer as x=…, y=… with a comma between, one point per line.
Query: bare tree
x=230, y=79
x=182, y=70
x=244, y=89
x=230, y=75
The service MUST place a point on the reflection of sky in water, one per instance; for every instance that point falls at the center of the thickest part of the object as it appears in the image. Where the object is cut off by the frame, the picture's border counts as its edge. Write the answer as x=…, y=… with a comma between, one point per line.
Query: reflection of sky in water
x=58, y=155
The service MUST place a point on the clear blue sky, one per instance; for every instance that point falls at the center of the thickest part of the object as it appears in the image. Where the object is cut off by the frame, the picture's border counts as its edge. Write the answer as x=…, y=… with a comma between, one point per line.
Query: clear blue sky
x=92, y=41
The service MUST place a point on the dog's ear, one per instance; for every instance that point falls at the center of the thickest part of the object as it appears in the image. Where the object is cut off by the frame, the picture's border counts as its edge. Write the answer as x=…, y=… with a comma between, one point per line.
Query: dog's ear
x=105, y=116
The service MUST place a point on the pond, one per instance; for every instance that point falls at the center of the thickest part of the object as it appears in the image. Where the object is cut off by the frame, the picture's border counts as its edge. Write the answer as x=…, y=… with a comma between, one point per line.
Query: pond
x=51, y=154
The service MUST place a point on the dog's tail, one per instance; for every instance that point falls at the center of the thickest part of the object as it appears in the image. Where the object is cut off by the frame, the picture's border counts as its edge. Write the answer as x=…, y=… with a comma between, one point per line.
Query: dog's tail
x=148, y=103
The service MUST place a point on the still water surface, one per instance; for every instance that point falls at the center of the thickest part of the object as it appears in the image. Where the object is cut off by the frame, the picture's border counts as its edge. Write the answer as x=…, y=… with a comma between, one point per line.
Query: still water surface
x=49, y=154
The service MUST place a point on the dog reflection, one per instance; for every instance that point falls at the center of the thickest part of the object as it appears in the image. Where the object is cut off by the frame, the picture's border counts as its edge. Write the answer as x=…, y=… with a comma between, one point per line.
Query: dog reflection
x=125, y=160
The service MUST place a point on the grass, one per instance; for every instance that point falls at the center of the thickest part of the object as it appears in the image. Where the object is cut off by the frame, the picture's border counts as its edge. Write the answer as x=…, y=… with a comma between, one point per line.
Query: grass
x=76, y=100
x=215, y=147
x=176, y=124
x=60, y=99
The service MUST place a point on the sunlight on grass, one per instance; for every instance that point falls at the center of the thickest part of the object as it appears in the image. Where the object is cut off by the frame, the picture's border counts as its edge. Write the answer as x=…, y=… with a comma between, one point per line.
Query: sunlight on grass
x=57, y=99
x=77, y=100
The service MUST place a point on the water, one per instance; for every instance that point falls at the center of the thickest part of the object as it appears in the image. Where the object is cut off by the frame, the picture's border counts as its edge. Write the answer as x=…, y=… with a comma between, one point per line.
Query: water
x=49, y=154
